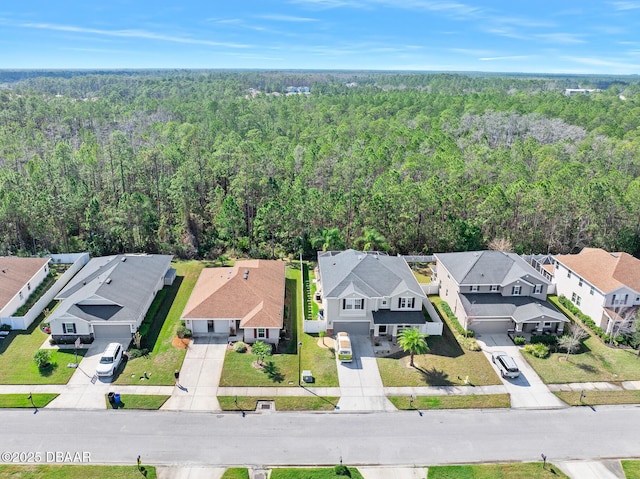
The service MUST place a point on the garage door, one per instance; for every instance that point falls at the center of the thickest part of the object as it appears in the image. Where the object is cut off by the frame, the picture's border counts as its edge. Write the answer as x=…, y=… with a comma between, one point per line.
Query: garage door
x=352, y=327
x=111, y=331
x=491, y=327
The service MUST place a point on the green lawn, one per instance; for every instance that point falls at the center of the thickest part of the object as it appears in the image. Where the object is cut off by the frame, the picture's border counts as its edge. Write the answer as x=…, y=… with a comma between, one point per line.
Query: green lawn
x=527, y=470
x=16, y=359
x=471, y=401
x=572, y=398
x=310, y=473
x=165, y=358
x=593, y=363
x=283, y=403
x=22, y=400
x=446, y=364
x=75, y=471
x=236, y=473
x=282, y=369
x=422, y=274
x=138, y=401
x=631, y=469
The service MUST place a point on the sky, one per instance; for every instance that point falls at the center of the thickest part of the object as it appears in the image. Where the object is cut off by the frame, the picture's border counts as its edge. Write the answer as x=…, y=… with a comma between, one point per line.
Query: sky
x=531, y=36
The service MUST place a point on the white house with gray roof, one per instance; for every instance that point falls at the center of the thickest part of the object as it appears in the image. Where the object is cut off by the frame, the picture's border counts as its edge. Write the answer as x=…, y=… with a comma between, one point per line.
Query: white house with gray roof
x=369, y=293
x=496, y=292
x=110, y=296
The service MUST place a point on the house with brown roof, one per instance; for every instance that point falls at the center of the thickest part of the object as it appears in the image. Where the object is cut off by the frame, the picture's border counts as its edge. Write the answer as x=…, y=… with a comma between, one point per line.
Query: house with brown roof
x=245, y=300
x=19, y=277
x=603, y=285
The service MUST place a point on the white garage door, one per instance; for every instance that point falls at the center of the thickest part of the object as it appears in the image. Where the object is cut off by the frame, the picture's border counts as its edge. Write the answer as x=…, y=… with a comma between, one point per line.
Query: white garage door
x=360, y=328
x=491, y=327
x=111, y=331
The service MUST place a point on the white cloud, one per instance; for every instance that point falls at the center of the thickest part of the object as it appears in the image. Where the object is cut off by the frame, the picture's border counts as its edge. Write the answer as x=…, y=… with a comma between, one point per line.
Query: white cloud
x=505, y=58
x=563, y=38
x=625, y=5
x=286, y=18
x=141, y=34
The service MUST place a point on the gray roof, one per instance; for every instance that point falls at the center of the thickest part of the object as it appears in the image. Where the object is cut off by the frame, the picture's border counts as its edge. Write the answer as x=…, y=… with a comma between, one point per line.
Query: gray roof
x=488, y=267
x=112, y=288
x=521, y=308
x=371, y=274
x=386, y=316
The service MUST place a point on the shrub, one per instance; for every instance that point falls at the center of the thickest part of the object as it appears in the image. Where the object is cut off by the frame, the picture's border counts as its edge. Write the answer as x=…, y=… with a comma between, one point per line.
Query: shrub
x=137, y=353
x=519, y=340
x=538, y=350
x=469, y=344
x=42, y=358
x=5, y=327
x=549, y=340
x=183, y=332
x=240, y=347
x=464, y=337
x=342, y=470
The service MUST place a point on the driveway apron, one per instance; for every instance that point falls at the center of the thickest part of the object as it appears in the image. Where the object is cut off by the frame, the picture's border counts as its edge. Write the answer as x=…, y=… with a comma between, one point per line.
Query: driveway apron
x=527, y=390
x=200, y=375
x=360, y=384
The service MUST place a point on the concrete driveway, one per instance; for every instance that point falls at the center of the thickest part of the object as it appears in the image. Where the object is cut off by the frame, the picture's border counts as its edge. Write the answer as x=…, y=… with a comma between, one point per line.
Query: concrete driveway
x=528, y=390
x=200, y=375
x=360, y=384
x=83, y=391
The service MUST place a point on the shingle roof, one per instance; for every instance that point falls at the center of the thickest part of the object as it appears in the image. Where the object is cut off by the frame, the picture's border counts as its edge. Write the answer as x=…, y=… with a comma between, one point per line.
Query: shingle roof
x=488, y=267
x=112, y=288
x=257, y=300
x=520, y=308
x=15, y=273
x=606, y=271
x=385, y=316
x=372, y=275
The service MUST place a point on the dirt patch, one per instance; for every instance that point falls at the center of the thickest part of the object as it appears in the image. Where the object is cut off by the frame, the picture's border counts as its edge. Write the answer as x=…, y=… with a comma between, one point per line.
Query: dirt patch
x=257, y=365
x=182, y=343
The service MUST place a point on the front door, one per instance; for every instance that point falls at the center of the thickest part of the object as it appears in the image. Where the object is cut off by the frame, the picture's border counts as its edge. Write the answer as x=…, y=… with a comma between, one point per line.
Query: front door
x=210, y=327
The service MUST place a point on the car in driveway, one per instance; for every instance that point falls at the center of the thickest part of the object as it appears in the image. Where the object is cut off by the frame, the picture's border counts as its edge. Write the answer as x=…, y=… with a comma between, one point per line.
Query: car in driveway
x=110, y=360
x=506, y=364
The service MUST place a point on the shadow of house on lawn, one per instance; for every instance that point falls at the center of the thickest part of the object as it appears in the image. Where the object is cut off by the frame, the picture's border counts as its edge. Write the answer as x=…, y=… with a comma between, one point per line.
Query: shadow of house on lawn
x=155, y=324
x=271, y=370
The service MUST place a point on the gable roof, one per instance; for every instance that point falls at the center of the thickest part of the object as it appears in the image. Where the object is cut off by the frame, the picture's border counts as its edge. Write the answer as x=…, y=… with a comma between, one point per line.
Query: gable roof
x=369, y=274
x=606, y=271
x=488, y=267
x=520, y=308
x=112, y=288
x=256, y=298
x=15, y=273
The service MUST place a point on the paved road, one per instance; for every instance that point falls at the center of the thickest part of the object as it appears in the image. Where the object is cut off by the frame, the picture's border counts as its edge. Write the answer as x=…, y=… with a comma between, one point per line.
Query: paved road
x=402, y=437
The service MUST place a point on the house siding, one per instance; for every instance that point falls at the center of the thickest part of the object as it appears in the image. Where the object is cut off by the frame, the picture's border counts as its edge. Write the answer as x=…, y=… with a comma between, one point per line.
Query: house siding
x=27, y=290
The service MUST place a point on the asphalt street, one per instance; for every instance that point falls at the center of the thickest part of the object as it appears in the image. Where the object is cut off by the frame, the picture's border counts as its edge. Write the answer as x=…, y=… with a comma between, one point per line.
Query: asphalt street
x=391, y=438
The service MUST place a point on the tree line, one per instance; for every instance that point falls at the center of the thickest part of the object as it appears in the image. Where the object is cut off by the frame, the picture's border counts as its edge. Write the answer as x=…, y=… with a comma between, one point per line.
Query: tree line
x=190, y=163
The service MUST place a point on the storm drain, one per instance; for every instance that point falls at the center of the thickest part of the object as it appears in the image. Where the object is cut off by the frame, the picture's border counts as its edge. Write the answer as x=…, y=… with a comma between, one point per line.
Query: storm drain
x=266, y=406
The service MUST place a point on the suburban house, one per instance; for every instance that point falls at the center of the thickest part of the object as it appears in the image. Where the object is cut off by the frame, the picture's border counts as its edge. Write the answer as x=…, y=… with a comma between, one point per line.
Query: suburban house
x=246, y=301
x=110, y=296
x=19, y=277
x=603, y=285
x=369, y=293
x=495, y=292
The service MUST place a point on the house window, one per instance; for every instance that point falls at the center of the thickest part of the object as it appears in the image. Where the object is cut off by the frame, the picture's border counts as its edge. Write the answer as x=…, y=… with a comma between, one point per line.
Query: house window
x=546, y=324
x=28, y=286
x=537, y=289
x=475, y=287
x=69, y=328
x=262, y=333
x=580, y=282
x=515, y=291
x=406, y=303
x=592, y=291
x=352, y=303
x=382, y=330
x=494, y=288
x=576, y=299
x=20, y=294
x=568, y=274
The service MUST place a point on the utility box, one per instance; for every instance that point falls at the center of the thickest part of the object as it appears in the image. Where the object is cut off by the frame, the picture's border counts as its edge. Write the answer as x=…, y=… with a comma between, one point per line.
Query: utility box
x=307, y=377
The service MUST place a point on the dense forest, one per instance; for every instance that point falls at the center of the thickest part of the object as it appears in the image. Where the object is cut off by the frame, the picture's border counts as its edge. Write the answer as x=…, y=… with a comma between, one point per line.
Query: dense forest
x=198, y=164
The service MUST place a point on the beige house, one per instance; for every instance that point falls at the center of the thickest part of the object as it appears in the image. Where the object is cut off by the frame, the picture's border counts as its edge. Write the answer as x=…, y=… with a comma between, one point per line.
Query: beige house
x=246, y=300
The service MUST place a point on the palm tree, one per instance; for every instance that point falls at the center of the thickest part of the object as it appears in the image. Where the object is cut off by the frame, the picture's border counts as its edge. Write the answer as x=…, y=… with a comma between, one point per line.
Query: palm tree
x=371, y=240
x=328, y=240
x=414, y=341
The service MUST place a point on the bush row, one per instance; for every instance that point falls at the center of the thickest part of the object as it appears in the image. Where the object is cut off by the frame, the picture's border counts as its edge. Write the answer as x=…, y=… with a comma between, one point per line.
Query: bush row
x=467, y=342
x=590, y=323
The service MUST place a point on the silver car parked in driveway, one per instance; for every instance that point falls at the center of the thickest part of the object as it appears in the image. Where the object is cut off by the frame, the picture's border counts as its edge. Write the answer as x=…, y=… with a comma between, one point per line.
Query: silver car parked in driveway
x=506, y=364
